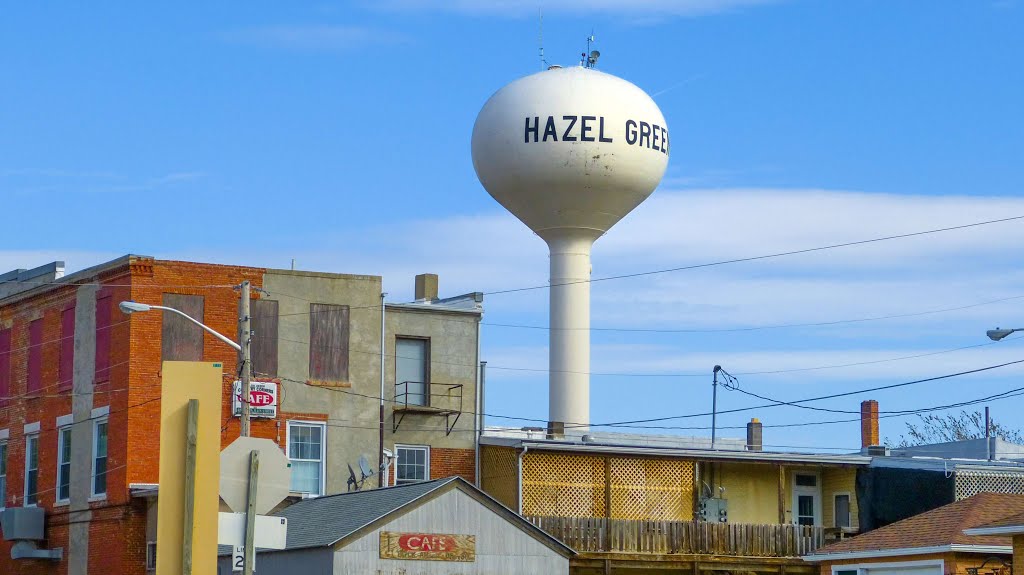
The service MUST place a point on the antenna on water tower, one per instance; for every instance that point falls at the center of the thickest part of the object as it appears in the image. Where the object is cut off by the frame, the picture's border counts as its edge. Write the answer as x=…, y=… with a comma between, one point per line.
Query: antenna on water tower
x=590, y=56
x=540, y=40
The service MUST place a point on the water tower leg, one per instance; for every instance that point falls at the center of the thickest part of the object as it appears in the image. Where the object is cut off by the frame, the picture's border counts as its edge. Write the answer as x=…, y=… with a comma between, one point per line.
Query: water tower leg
x=569, y=389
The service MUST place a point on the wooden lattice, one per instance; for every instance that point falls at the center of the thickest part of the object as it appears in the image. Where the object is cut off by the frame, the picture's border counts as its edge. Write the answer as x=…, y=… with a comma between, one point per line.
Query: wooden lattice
x=970, y=483
x=651, y=489
x=499, y=476
x=563, y=485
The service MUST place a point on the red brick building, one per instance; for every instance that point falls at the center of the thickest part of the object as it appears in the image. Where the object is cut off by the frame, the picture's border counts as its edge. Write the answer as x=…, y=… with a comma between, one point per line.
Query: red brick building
x=80, y=390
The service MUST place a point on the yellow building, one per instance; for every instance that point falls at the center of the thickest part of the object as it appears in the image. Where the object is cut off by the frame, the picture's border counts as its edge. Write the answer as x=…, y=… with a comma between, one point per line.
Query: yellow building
x=673, y=499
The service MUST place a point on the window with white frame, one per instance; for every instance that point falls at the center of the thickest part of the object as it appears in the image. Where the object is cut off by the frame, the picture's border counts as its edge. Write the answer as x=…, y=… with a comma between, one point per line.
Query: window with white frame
x=63, y=464
x=32, y=469
x=306, y=453
x=3, y=474
x=99, y=457
x=413, y=464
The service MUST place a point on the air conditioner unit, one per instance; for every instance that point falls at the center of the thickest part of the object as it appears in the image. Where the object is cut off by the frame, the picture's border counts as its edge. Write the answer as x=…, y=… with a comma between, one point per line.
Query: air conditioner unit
x=25, y=526
x=23, y=523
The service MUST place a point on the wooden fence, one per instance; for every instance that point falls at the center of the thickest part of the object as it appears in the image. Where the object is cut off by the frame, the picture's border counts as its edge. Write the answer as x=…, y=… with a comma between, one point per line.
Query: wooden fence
x=598, y=534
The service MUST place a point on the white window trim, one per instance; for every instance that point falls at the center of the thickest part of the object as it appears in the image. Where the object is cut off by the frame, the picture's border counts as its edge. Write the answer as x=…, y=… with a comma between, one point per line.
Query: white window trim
x=100, y=411
x=803, y=490
x=60, y=449
x=93, y=496
x=3, y=493
x=29, y=438
x=849, y=499
x=426, y=461
x=862, y=568
x=32, y=427
x=323, y=449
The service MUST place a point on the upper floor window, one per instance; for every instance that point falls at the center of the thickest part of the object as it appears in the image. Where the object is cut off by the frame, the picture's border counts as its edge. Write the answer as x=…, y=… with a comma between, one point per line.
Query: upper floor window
x=412, y=371
x=103, y=337
x=35, y=356
x=99, y=457
x=328, y=342
x=66, y=365
x=5, y=368
x=3, y=474
x=32, y=469
x=842, y=509
x=413, y=463
x=306, y=453
x=182, y=340
x=64, y=464
x=264, y=337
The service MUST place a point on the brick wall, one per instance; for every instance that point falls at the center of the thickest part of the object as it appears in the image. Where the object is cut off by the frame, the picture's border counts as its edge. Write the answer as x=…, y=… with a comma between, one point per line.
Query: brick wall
x=117, y=532
x=448, y=462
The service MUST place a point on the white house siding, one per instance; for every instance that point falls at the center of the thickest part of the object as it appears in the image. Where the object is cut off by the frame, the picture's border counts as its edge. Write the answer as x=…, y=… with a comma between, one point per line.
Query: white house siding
x=501, y=547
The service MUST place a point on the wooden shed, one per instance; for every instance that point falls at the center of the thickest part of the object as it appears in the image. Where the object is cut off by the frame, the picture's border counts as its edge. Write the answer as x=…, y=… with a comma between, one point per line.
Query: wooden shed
x=434, y=527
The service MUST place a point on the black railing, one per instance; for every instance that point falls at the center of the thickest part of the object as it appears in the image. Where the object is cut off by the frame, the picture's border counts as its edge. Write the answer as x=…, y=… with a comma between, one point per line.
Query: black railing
x=429, y=398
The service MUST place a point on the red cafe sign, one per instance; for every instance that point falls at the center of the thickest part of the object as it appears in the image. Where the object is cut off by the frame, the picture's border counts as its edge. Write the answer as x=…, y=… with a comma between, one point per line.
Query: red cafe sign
x=427, y=546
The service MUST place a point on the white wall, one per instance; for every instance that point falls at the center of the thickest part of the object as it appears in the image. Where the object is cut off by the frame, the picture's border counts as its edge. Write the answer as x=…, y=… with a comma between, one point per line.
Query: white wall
x=501, y=547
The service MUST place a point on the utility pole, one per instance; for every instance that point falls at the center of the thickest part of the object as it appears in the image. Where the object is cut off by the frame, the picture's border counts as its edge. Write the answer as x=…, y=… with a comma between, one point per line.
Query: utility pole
x=714, y=401
x=245, y=339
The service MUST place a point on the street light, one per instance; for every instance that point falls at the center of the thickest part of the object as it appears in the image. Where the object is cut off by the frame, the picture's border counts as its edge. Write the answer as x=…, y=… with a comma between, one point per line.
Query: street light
x=998, y=333
x=130, y=307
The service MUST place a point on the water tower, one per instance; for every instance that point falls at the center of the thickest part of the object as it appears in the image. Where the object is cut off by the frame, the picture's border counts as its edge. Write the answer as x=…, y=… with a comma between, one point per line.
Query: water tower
x=570, y=152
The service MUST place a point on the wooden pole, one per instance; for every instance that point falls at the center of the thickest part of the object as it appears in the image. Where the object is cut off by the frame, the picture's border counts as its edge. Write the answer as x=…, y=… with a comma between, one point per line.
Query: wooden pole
x=249, y=563
x=782, y=494
x=191, y=440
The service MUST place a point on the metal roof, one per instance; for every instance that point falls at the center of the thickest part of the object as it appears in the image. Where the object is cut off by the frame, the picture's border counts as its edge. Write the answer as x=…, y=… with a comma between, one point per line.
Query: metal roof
x=328, y=520
x=704, y=454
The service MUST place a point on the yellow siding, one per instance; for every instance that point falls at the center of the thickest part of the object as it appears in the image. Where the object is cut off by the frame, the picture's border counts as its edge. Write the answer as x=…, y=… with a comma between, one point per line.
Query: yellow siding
x=752, y=491
x=563, y=485
x=499, y=474
x=834, y=481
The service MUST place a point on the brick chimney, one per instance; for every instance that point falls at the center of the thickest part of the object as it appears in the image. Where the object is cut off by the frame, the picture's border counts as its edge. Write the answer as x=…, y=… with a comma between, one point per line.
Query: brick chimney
x=426, y=287
x=869, y=423
x=754, y=435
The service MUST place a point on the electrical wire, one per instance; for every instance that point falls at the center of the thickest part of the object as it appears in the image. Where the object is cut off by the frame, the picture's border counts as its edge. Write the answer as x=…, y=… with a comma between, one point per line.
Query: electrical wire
x=763, y=257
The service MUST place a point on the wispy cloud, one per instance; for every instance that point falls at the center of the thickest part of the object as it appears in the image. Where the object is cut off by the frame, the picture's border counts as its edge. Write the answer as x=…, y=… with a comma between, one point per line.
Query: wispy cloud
x=318, y=37
x=652, y=8
x=38, y=182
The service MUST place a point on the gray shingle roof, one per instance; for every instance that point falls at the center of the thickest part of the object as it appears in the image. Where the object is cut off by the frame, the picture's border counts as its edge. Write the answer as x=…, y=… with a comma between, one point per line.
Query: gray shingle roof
x=338, y=516
x=324, y=521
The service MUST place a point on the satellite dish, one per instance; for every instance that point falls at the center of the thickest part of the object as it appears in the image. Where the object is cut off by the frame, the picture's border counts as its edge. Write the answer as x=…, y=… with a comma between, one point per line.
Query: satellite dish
x=364, y=467
x=595, y=54
x=353, y=483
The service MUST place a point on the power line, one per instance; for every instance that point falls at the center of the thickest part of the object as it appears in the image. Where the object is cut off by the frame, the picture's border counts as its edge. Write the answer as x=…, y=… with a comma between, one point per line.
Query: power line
x=761, y=327
x=762, y=257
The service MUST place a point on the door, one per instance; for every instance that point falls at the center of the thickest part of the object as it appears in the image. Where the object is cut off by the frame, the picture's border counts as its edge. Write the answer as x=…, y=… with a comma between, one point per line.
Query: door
x=412, y=375
x=806, y=499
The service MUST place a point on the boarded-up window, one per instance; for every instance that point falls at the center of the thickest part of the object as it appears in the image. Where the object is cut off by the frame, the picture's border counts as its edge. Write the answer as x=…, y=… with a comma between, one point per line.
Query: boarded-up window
x=264, y=337
x=67, y=349
x=182, y=339
x=328, y=342
x=103, y=337
x=5, y=366
x=35, y=356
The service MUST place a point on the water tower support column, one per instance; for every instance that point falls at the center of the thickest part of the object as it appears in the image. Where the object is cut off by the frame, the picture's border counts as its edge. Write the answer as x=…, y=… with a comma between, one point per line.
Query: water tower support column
x=569, y=349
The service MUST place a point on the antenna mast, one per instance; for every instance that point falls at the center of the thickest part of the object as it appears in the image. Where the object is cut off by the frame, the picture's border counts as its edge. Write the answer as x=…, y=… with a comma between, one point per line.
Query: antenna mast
x=540, y=40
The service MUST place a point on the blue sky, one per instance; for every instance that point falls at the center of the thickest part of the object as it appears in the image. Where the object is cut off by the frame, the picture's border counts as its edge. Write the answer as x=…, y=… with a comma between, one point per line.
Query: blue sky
x=342, y=129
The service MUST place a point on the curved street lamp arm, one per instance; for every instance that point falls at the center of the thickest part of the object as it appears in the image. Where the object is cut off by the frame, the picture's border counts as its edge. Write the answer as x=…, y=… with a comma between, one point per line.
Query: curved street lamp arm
x=207, y=328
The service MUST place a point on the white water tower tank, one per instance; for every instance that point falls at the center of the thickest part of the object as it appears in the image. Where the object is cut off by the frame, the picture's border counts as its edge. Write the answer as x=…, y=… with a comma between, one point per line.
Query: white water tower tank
x=570, y=152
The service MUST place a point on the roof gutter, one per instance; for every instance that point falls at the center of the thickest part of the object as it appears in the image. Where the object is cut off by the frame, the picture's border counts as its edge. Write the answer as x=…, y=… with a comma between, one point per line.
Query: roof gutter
x=875, y=553
x=1005, y=530
x=754, y=456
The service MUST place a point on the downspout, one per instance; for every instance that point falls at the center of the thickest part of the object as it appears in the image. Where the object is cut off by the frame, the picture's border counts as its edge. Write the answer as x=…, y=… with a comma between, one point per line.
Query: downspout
x=382, y=469
x=521, y=454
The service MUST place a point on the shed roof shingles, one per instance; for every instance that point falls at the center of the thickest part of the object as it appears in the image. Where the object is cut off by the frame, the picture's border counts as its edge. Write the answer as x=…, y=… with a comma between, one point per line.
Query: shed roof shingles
x=939, y=527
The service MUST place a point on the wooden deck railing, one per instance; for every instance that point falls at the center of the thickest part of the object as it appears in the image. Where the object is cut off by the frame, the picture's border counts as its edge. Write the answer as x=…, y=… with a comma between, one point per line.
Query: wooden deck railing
x=598, y=534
